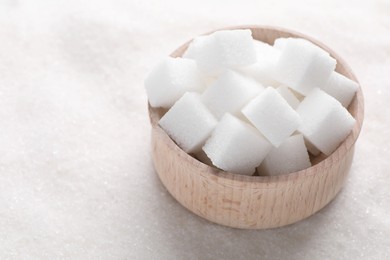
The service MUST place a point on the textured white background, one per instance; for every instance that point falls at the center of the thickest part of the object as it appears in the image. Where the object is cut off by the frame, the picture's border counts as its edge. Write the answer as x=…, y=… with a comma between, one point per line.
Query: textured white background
x=76, y=177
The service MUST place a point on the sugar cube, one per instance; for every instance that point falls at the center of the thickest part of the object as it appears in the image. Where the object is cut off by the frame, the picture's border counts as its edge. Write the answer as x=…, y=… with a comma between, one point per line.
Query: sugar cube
x=289, y=157
x=195, y=47
x=262, y=70
x=325, y=122
x=291, y=99
x=270, y=113
x=303, y=66
x=229, y=93
x=188, y=122
x=236, y=146
x=170, y=79
x=226, y=49
x=280, y=43
x=341, y=88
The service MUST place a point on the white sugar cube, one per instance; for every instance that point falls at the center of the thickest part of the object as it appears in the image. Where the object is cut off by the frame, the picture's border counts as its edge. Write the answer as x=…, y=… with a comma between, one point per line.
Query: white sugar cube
x=170, y=79
x=291, y=99
x=235, y=146
x=289, y=157
x=281, y=43
x=272, y=116
x=188, y=122
x=262, y=70
x=227, y=49
x=229, y=93
x=325, y=122
x=195, y=47
x=265, y=52
x=303, y=66
x=341, y=88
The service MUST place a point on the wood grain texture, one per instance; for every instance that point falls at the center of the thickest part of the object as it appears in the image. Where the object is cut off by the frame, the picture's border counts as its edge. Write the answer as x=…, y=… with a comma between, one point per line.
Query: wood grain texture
x=255, y=202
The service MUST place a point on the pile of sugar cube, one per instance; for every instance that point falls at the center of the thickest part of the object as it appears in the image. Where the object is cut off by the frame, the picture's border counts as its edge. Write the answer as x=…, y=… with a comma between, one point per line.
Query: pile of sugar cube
x=243, y=105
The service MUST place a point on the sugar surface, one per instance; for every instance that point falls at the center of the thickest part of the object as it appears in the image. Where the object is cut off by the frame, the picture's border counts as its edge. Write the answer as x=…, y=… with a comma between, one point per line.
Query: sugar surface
x=236, y=146
x=272, y=115
x=289, y=157
x=196, y=47
x=291, y=99
x=188, y=122
x=325, y=123
x=229, y=93
x=303, y=66
x=225, y=49
x=170, y=79
x=341, y=88
x=263, y=69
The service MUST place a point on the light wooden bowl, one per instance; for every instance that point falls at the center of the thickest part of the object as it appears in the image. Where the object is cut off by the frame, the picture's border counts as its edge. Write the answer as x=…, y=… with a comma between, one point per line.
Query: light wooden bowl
x=254, y=202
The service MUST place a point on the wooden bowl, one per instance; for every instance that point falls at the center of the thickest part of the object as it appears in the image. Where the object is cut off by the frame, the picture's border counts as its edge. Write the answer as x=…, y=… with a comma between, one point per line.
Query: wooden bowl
x=255, y=202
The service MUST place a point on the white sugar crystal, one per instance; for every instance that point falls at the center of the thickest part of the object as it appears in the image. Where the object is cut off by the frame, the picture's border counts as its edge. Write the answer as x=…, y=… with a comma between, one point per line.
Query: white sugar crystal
x=289, y=157
x=272, y=115
x=303, y=66
x=229, y=93
x=189, y=122
x=265, y=52
x=227, y=49
x=195, y=47
x=170, y=79
x=236, y=146
x=325, y=122
x=262, y=70
x=341, y=88
x=291, y=99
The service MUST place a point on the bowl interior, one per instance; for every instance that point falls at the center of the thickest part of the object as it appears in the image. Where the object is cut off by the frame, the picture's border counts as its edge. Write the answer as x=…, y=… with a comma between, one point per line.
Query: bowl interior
x=268, y=35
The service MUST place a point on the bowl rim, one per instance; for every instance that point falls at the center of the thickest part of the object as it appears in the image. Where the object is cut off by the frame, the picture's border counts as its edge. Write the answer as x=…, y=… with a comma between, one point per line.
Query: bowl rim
x=342, y=149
